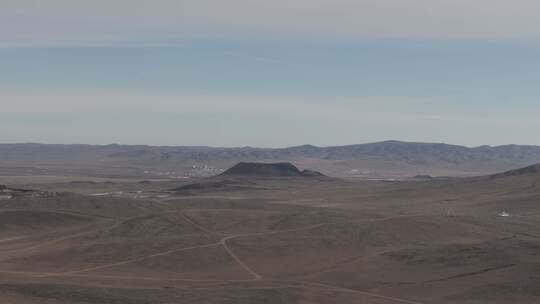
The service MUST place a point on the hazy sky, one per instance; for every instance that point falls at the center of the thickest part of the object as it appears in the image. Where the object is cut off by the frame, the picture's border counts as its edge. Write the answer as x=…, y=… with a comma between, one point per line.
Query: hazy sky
x=269, y=73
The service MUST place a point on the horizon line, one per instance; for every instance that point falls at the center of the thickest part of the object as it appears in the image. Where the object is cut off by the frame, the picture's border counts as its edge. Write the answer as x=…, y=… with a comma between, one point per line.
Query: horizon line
x=267, y=148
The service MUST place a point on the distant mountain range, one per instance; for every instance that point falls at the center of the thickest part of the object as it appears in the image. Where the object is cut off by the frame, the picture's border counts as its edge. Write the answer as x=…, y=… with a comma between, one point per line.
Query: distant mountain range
x=389, y=159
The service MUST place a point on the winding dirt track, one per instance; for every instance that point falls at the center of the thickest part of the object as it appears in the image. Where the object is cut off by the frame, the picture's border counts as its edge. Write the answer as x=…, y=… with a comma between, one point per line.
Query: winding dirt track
x=50, y=242
x=13, y=239
x=68, y=237
x=129, y=261
x=365, y=293
x=17, y=251
x=202, y=228
x=223, y=242
x=255, y=275
x=58, y=211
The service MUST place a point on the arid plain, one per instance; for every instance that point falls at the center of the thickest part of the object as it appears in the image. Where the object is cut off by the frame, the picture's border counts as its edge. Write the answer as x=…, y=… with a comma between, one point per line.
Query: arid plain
x=270, y=239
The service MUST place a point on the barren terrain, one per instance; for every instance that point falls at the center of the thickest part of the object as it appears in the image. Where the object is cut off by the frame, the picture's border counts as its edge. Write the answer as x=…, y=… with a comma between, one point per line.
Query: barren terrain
x=271, y=240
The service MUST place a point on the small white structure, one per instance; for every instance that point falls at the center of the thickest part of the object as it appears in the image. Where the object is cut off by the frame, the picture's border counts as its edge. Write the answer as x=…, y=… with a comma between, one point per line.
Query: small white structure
x=504, y=214
x=100, y=194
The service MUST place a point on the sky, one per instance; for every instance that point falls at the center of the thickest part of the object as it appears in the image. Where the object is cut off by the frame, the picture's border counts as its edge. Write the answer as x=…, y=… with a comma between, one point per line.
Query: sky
x=269, y=73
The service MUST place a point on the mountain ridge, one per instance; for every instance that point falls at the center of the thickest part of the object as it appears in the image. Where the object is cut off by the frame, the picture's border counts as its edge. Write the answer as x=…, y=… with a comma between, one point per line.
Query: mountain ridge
x=385, y=159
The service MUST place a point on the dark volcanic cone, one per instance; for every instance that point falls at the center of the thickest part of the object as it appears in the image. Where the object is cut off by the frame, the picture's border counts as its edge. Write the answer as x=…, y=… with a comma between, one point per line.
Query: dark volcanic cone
x=269, y=170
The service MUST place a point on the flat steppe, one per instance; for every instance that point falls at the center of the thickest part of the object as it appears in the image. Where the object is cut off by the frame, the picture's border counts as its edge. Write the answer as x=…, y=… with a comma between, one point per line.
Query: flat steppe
x=270, y=240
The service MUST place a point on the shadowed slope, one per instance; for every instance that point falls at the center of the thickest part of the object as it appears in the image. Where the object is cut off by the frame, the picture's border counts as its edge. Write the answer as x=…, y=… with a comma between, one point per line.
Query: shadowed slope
x=268, y=170
x=534, y=169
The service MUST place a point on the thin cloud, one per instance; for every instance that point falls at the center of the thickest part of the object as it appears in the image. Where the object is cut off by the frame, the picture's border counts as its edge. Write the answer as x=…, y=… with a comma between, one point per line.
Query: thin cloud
x=404, y=109
x=57, y=22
